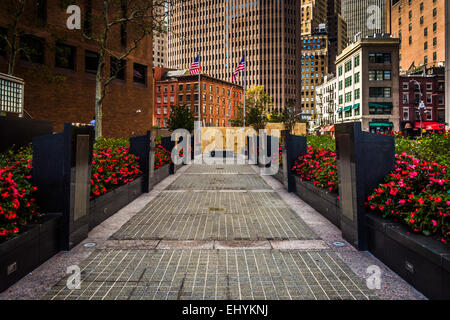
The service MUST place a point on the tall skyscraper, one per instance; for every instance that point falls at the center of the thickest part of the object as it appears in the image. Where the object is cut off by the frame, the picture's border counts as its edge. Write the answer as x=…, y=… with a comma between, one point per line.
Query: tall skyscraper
x=337, y=33
x=266, y=31
x=364, y=17
x=314, y=13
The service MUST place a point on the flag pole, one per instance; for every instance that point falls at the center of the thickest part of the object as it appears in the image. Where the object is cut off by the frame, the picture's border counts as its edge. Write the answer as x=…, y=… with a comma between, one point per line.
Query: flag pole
x=245, y=80
x=199, y=90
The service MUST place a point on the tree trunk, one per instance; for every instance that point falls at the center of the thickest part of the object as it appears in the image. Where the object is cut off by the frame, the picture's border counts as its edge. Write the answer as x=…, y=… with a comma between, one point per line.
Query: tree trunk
x=98, y=108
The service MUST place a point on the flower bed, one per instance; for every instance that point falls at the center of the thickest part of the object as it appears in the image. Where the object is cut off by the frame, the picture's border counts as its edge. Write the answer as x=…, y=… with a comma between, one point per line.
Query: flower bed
x=417, y=194
x=318, y=166
x=162, y=156
x=17, y=203
x=112, y=168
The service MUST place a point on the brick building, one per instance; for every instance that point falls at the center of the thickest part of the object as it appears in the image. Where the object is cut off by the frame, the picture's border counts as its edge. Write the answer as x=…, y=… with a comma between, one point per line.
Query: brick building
x=420, y=25
x=432, y=87
x=59, y=72
x=219, y=101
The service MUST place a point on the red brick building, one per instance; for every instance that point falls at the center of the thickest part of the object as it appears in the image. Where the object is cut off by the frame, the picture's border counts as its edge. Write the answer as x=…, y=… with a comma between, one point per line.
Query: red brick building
x=219, y=99
x=59, y=73
x=432, y=87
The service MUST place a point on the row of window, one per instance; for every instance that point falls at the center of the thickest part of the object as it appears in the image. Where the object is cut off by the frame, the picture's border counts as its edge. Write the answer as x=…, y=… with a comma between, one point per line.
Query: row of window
x=33, y=50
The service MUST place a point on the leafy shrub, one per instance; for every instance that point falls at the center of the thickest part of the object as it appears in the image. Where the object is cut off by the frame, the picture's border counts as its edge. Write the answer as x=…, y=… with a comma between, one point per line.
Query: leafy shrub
x=112, y=168
x=432, y=147
x=111, y=143
x=322, y=142
x=17, y=203
x=162, y=156
x=319, y=167
x=417, y=194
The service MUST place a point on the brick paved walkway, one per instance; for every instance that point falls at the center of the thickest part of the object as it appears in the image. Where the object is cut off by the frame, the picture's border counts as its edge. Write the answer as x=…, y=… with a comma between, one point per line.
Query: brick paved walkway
x=216, y=232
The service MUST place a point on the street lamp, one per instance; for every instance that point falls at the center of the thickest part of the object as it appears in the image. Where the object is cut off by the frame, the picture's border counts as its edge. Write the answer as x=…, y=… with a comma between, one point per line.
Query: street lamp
x=421, y=106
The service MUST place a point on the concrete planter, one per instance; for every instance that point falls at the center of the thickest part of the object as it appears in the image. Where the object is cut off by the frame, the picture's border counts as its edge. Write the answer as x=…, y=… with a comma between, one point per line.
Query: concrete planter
x=324, y=202
x=422, y=261
x=105, y=206
x=160, y=174
x=22, y=254
x=279, y=176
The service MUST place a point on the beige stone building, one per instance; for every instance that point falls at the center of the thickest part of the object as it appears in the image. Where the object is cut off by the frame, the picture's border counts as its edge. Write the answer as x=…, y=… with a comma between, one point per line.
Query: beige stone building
x=368, y=84
x=420, y=24
x=267, y=32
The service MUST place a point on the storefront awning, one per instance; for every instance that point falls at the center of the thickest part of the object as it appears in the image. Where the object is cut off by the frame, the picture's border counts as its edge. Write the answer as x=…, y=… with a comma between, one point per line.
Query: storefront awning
x=381, y=124
x=356, y=106
x=347, y=108
x=387, y=105
x=430, y=125
x=339, y=110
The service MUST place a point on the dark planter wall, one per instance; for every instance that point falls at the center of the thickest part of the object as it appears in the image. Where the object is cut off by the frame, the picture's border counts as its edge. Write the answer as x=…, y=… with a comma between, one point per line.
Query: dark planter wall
x=325, y=203
x=21, y=255
x=160, y=174
x=421, y=261
x=20, y=131
x=105, y=206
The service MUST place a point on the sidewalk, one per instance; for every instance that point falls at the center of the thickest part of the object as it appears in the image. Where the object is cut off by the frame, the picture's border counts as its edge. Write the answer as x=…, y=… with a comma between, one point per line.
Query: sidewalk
x=214, y=232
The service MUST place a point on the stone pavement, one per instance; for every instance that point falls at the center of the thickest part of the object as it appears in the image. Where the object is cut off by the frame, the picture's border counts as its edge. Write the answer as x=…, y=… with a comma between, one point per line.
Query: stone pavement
x=214, y=232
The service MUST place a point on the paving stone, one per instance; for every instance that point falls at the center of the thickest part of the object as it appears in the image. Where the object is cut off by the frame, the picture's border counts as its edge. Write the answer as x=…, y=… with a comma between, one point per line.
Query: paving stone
x=214, y=274
x=219, y=182
x=299, y=245
x=216, y=216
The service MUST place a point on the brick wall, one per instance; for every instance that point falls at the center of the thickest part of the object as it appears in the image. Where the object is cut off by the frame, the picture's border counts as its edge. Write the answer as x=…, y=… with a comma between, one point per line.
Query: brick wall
x=64, y=95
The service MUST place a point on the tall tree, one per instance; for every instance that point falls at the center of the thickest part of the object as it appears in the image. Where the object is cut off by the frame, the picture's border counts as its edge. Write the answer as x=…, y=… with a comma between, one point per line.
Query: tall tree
x=258, y=101
x=136, y=20
x=181, y=118
x=15, y=9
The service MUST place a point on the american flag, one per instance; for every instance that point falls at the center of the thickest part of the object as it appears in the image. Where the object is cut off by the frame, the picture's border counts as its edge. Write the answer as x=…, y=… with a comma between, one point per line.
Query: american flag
x=240, y=67
x=195, y=67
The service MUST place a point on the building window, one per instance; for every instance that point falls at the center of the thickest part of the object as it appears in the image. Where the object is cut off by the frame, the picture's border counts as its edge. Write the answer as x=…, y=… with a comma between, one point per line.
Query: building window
x=406, y=114
x=380, y=92
x=357, y=77
x=348, y=82
x=380, y=58
x=65, y=56
x=32, y=48
x=41, y=10
x=357, y=94
x=90, y=61
x=158, y=100
x=405, y=98
x=139, y=73
x=429, y=114
x=117, y=68
x=356, y=61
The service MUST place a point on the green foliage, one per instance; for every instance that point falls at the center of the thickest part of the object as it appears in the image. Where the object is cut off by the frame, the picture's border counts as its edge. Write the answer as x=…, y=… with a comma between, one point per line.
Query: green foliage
x=13, y=155
x=322, y=142
x=430, y=148
x=258, y=102
x=111, y=143
x=181, y=118
x=276, y=117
